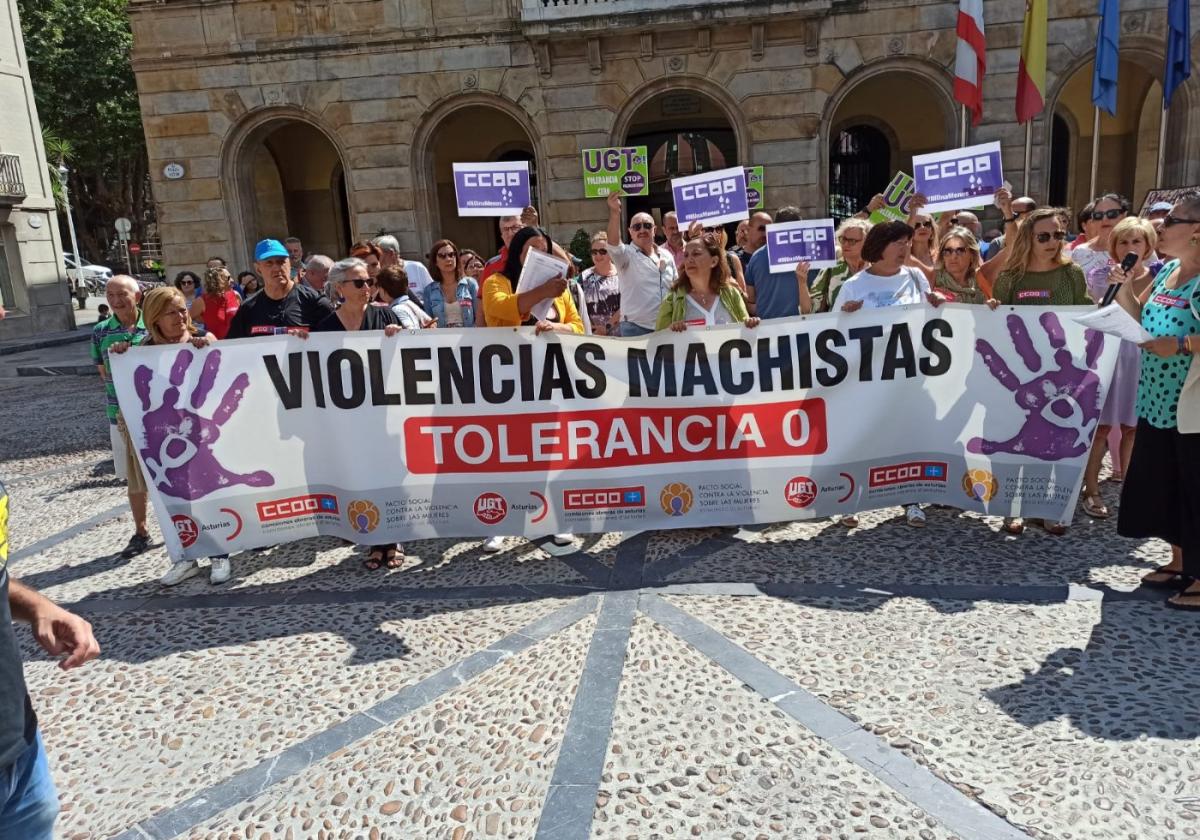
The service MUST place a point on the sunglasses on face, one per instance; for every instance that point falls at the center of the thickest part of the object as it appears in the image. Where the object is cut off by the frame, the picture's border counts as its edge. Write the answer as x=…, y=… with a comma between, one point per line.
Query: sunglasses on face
x=1043, y=238
x=711, y=229
x=957, y=252
x=599, y=252
x=1171, y=221
x=1097, y=215
x=761, y=228
x=360, y=282
x=642, y=226
x=924, y=224
x=187, y=282
x=445, y=255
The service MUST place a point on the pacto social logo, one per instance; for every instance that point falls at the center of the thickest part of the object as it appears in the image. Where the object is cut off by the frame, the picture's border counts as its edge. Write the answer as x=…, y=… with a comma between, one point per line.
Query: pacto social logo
x=800, y=492
x=980, y=485
x=676, y=499
x=363, y=516
x=187, y=529
x=490, y=508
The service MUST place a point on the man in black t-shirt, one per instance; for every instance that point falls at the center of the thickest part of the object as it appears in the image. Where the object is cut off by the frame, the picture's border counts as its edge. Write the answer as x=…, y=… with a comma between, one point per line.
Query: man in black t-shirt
x=285, y=306
x=28, y=800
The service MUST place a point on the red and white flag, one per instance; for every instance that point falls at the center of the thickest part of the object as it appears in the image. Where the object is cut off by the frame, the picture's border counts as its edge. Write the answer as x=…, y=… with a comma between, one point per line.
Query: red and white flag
x=971, y=58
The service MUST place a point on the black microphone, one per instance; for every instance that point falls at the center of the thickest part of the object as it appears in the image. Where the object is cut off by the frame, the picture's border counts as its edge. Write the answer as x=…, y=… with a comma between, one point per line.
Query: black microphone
x=1127, y=265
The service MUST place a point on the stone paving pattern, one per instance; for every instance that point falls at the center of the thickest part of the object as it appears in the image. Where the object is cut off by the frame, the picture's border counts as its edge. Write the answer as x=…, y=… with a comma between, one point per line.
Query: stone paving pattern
x=795, y=680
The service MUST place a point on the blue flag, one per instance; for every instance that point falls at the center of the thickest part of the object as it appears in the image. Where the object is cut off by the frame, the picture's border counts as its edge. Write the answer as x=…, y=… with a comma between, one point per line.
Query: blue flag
x=1179, y=57
x=1104, y=77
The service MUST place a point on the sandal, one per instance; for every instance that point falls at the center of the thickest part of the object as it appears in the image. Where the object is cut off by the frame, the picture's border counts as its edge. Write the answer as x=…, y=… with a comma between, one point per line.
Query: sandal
x=1094, y=506
x=374, y=559
x=394, y=557
x=850, y=521
x=1189, y=599
x=1014, y=525
x=1056, y=529
x=1166, y=579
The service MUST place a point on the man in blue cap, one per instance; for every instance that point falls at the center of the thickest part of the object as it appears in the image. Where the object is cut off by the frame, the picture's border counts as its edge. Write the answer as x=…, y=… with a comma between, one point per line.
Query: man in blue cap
x=285, y=306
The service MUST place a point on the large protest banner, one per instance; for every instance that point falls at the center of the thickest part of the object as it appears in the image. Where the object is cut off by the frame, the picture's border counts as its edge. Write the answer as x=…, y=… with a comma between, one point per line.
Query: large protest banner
x=498, y=431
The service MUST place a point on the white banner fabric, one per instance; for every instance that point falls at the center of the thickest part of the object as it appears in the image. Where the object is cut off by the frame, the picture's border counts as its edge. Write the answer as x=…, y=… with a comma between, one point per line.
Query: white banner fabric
x=470, y=433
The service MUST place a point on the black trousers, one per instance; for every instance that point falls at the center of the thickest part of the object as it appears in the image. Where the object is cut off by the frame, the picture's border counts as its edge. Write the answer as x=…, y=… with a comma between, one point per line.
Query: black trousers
x=1161, y=494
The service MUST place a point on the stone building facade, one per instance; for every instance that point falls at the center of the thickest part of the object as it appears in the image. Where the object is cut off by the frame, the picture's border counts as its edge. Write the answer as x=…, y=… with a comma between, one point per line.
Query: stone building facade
x=33, y=283
x=335, y=121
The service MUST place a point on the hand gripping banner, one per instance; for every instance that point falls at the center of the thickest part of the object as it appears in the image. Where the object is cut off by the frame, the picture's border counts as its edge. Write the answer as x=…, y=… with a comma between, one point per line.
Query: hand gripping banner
x=478, y=432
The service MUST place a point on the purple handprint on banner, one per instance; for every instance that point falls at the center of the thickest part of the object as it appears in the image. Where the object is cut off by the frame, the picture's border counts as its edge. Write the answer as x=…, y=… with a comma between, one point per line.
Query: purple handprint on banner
x=1062, y=406
x=179, y=442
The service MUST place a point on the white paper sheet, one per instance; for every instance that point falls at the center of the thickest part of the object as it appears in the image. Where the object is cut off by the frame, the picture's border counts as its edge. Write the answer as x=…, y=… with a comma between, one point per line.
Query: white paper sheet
x=1114, y=320
x=539, y=269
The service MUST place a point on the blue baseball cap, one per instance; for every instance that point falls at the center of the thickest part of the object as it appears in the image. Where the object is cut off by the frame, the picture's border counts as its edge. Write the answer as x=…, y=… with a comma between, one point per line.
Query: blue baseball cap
x=269, y=248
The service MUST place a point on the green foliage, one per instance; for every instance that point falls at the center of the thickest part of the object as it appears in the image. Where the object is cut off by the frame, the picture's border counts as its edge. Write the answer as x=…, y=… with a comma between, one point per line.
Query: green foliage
x=78, y=52
x=581, y=247
x=58, y=151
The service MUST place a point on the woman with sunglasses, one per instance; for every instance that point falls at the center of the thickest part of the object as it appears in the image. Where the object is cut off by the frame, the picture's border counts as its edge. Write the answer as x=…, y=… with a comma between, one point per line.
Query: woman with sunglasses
x=451, y=298
x=1039, y=273
x=957, y=267
x=736, y=273
x=188, y=282
x=354, y=289
x=601, y=291
x=1131, y=236
x=704, y=294
x=850, y=237
x=1107, y=211
x=924, y=242
x=1161, y=495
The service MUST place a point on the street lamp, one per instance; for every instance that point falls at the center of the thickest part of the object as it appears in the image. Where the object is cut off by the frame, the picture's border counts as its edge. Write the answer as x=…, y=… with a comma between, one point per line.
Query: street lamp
x=80, y=283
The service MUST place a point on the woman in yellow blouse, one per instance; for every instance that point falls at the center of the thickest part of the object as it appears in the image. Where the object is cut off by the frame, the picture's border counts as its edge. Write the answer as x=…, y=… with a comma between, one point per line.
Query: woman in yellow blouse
x=503, y=307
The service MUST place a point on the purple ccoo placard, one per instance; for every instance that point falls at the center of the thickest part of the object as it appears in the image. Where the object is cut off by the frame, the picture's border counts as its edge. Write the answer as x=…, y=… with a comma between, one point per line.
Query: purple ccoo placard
x=491, y=189
x=712, y=197
x=959, y=178
x=791, y=243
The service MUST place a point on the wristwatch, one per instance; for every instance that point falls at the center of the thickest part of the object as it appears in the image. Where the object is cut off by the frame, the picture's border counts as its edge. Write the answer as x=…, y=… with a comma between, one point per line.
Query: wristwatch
x=1013, y=217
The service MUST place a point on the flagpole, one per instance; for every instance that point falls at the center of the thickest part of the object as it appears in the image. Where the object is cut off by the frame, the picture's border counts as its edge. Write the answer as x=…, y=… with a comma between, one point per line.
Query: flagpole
x=1095, y=151
x=1028, y=155
x=1162, y=151
x=963, y=126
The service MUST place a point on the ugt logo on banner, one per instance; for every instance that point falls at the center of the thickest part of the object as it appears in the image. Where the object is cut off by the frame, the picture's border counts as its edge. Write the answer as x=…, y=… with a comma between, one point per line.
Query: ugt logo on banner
x=791, y=243
x=711, y=198
x=957, y=179
x=491, y=189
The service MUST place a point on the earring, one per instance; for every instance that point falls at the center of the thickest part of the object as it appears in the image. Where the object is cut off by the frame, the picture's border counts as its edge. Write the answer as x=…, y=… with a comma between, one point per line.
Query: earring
x=1194, y=242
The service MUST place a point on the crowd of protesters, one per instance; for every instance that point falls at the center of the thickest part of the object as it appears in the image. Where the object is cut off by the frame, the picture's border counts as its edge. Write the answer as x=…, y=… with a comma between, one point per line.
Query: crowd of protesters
x=643, y=278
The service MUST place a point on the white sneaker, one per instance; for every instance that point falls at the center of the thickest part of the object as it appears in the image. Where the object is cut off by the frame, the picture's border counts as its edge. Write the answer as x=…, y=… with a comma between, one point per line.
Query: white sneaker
x=219, y=572
x=915, y=516
x=493, y=544
x=179, y=572
x=564, y=539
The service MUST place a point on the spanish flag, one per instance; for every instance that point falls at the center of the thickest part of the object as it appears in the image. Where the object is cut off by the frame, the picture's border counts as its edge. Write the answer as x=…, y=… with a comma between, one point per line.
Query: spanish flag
x=1031, y=76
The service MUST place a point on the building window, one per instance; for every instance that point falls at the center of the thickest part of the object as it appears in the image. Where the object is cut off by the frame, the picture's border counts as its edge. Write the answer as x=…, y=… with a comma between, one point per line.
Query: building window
x=859, y=161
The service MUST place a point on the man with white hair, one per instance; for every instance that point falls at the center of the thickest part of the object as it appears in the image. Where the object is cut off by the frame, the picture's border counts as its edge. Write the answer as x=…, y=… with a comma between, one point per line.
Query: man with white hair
x=645, y=272
x=124, y=326
x=418, y=275
x=509, y=225
x=316, y=271
x=674, y=242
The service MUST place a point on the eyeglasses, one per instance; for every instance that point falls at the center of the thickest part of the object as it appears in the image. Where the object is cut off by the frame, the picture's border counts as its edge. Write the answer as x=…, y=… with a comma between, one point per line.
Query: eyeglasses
x=958, y=252
x=711, y=229
x=925, y=224
x=1043, y=238
x=359, y=282
x=187, y=282
x=1097, y=215
x=761, y=228
x=849, y=240
x=1171, y=221
x=642, y=226
x=446, y=255
x=599, y=252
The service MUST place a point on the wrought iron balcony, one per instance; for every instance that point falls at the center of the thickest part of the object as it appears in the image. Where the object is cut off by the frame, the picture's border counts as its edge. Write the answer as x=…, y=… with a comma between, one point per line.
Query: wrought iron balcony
x=12, y=184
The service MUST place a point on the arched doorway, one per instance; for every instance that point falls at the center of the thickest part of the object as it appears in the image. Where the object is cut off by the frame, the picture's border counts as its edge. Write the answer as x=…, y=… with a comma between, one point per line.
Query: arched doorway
x=878, y=123
x=1128, y=141
x=471, y=134
x=685, y=132
x=290, y=181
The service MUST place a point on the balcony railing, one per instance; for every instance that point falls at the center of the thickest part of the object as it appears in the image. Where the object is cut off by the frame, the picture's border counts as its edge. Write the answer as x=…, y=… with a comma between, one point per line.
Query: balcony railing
x=550, y=11
x=12, y=184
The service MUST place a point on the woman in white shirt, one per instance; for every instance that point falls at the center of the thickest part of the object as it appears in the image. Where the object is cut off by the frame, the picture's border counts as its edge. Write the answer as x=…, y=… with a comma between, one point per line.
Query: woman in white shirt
x=1107, y=211
x=888, y=281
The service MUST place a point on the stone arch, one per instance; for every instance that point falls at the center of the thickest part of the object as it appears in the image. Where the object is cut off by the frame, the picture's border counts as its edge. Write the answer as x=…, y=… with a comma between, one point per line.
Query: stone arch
x=683, y=82
x=428, y=205
x=939, y=125
x=1143, y=54
x=304, y=211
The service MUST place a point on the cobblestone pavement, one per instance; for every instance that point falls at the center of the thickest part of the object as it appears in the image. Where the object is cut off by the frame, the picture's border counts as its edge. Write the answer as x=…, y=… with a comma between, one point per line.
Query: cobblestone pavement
x=792, y=681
